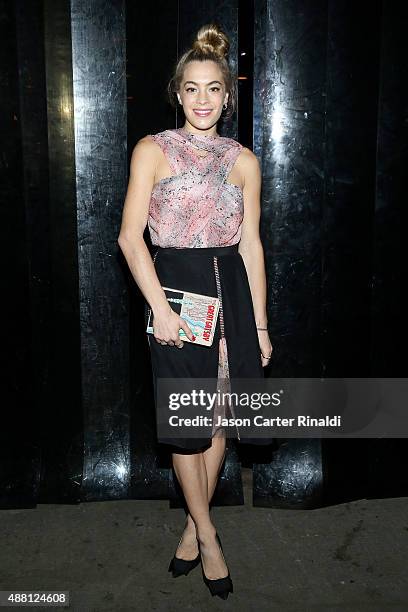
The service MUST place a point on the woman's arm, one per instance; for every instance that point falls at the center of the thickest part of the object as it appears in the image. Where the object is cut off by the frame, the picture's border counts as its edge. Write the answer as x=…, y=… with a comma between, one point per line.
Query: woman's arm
x=134, y=220
x=250, y=246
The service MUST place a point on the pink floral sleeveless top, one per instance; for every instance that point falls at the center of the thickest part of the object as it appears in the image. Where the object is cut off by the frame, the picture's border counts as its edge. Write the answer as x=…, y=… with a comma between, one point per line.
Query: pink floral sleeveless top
x=196, y=206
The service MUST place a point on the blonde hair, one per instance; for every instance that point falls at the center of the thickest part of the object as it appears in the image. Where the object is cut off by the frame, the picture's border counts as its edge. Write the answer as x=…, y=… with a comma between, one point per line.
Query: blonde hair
x=211, y=43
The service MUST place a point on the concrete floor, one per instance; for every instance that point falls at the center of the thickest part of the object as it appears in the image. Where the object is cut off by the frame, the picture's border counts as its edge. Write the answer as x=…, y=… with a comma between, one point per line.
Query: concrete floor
x=114, y=556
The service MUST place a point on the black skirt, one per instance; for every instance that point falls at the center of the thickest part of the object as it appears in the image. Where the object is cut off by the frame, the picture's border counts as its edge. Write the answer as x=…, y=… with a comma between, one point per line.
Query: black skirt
x=210, y=271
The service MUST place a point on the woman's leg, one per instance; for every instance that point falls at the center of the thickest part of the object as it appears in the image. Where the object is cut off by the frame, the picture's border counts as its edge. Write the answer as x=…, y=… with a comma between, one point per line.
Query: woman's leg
x=198, y=474
x=213, y=458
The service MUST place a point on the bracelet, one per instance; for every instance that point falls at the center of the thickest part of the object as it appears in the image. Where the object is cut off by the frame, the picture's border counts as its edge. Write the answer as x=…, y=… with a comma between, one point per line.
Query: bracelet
x=262, y=328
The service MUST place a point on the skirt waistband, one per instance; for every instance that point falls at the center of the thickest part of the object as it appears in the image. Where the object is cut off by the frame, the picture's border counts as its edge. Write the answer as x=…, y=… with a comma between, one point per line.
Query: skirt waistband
x=198, y=251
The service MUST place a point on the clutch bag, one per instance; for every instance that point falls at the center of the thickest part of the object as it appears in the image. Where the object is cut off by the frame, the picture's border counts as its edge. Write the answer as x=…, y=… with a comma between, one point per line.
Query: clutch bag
x=199, y=311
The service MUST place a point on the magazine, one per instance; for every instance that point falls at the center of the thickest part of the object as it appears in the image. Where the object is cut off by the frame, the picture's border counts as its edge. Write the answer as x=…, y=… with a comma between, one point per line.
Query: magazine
x=199, y=311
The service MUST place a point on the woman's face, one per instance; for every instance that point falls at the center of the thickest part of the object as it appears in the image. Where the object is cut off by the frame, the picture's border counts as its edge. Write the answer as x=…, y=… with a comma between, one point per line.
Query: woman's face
x=202, y=89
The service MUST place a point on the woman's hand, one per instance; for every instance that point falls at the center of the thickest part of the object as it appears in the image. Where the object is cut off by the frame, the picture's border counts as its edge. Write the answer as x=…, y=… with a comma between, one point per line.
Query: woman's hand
x=166, y=328
x=265, y=346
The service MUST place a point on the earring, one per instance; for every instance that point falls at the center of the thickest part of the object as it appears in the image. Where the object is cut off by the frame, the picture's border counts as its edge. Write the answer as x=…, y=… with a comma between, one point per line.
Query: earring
x=225, y=105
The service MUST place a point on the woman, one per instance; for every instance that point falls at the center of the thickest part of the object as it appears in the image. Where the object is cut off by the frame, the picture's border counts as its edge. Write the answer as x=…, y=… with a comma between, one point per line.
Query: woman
x=200, y=195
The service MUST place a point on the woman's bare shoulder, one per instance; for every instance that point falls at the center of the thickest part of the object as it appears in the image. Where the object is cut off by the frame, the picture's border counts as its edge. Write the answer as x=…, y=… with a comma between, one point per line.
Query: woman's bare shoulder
x=148, y=145
x=146, y=153
x=248, y=161
x=148, y=140
x=248, y=155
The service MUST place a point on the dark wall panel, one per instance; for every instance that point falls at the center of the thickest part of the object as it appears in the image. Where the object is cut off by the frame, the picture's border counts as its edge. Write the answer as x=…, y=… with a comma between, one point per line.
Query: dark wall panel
x=19, y=444
x=289, y=128
x=289, y=104
x=329, y=115
x=350, y=169
x=62, y=427
x=388, y=332
x=99, y=105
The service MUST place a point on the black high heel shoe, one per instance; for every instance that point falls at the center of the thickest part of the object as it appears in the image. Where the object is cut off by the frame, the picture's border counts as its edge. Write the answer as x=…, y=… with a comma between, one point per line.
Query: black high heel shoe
x=219, y=586
x=182, y=566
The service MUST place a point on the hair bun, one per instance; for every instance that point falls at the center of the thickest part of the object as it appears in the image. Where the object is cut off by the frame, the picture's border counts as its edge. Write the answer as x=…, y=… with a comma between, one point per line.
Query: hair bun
x=211, y=39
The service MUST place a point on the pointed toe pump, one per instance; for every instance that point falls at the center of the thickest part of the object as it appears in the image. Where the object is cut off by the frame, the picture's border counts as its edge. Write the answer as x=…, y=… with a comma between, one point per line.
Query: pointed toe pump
x=178, y=567
x=218, y=586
